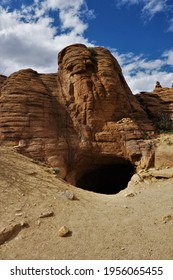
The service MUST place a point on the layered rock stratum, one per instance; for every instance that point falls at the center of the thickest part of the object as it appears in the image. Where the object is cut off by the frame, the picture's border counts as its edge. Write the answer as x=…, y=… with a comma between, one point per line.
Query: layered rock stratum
x=81, y=117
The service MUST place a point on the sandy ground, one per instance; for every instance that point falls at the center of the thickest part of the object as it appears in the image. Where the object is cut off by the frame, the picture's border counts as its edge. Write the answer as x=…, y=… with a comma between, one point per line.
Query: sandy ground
x=138, y=226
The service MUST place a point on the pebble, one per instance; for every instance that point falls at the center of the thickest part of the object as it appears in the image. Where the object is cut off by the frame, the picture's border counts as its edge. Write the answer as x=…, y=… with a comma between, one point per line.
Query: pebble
x=38, y=223
x=11, y=231
x=46, y=214
x=18, y=210
x=70, y=195
x=18, y=214
x=135, y=178
x=67, y=194
x=166, y=219
x=63, y=231
x=130, y=194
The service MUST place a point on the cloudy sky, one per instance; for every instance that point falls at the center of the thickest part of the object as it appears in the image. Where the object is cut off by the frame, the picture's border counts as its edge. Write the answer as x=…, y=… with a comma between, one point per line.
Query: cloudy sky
x=138, y=32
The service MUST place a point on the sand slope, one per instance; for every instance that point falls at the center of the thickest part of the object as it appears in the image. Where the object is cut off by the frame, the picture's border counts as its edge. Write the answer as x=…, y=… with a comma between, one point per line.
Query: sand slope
x=101, y=226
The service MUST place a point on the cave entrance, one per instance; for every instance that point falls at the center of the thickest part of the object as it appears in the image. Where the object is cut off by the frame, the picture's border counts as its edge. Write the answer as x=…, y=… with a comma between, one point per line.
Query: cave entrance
x=107, y=179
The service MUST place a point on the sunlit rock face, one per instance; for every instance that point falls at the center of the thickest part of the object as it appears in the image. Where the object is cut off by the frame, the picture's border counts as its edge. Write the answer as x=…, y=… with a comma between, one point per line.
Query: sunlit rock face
x=78, y=119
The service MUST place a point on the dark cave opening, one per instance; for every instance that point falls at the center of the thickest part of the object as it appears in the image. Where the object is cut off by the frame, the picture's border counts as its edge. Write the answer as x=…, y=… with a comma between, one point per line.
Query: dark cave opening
x=107, y=179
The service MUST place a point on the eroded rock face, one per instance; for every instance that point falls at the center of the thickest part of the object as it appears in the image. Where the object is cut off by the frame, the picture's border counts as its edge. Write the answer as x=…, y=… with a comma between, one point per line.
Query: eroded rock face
x=80, y=118
x=159, y=107
x=31, y=113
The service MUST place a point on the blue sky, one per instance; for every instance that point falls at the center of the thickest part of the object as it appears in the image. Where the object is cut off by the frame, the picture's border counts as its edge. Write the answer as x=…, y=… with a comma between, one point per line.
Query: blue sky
x=139, y=33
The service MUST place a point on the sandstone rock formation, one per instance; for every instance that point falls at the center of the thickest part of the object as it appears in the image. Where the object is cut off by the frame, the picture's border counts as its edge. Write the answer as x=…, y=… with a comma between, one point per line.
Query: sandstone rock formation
x=83, y=117
x=163, y=156
x=159, y=107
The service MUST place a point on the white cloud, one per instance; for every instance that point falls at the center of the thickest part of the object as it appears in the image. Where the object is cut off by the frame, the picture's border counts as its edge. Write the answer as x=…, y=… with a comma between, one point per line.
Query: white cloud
x=71, y=21
x=29, y=38
x=141, y=74
x=170, y=28
x=146, y=82
x=62, y=4
x=128, y=2
x=152, y=7
x=168, y=56
x=149, y=8
x=132, y=63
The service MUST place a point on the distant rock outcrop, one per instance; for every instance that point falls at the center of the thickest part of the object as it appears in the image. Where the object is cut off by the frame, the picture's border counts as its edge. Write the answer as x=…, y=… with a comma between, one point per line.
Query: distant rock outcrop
x=159, y=107
x=158, y=85
x=80, y=118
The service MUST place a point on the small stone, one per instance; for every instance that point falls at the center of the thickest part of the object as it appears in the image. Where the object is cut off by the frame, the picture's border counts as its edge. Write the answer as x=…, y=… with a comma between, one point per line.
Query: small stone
x=56, y=170
x=46, y=214
x=11, y=231
x=18, y=210
x=135, y=178
x=144, y=175
x=38, y=223
x=166, y=219
x=63, y=231
x=18, y=214
x=32, y=173
x=130, y=194
x=67, y=194
x=21, y=144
